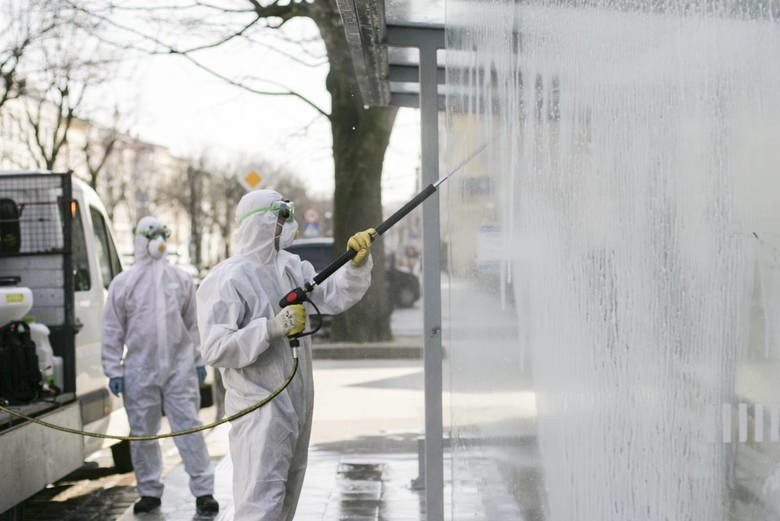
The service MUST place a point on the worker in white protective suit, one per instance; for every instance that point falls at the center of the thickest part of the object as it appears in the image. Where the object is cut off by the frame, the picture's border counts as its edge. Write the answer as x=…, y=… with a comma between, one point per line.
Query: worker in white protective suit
x=151, y=310
x=244, y=334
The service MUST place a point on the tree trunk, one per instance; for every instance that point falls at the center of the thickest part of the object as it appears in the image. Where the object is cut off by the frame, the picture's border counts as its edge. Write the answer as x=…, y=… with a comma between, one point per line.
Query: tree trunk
x=195, y=178
x=360, y=138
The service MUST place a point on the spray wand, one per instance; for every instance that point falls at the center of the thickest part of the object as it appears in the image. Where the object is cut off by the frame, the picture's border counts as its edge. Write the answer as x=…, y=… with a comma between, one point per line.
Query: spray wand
x=298, y=295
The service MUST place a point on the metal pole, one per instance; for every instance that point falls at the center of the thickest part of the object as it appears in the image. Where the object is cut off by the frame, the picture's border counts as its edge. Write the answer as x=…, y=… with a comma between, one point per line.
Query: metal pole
x=429, y=127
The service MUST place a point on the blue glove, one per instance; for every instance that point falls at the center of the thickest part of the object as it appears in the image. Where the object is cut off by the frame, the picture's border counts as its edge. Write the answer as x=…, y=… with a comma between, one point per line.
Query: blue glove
x=201, y=374
x=117, y=385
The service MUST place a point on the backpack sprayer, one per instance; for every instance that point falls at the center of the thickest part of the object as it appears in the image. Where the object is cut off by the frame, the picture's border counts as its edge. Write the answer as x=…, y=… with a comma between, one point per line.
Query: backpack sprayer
x=295, y=296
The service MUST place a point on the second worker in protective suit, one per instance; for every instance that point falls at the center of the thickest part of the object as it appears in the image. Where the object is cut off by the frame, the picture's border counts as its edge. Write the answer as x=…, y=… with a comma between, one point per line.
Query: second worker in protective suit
x=243, y=333
x=151, y=309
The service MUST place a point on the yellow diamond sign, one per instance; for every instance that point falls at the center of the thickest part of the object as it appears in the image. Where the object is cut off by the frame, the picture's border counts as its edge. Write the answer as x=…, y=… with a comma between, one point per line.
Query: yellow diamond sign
x=251, y=181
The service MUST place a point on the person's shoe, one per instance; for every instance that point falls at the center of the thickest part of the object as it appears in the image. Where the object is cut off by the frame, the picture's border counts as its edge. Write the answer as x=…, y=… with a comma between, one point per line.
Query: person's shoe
x=206, y=505
x=146, y=504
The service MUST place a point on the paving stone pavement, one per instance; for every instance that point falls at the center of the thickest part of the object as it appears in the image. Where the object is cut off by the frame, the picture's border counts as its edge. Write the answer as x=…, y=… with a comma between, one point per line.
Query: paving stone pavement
x=338, y=486
x=361, y=463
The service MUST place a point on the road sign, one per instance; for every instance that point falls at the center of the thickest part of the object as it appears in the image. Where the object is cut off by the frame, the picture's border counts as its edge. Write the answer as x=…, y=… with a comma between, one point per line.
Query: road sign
x=250, y=181
x=311, y=215
x=311, y=230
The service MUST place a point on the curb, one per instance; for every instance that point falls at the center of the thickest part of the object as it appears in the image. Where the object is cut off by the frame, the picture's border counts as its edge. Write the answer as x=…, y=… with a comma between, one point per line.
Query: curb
x=399, y=348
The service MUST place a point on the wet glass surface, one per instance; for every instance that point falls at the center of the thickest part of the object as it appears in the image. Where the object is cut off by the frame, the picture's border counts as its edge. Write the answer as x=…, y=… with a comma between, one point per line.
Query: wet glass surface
x=613, y=277
x=428, y=12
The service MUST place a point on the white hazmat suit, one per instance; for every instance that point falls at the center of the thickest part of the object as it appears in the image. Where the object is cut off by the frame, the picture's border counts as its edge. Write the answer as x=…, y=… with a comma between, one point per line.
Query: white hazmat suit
x=236, y=303
x=151, y=310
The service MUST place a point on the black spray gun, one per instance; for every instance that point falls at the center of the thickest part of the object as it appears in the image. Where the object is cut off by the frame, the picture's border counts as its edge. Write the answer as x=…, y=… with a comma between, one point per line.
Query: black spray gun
x=298, y=295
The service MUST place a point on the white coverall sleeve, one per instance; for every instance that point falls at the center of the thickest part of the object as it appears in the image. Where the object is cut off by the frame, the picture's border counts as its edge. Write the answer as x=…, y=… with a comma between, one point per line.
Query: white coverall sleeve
x=114, y=331
x=221, y=310
x=189, y=315
x=343, y=289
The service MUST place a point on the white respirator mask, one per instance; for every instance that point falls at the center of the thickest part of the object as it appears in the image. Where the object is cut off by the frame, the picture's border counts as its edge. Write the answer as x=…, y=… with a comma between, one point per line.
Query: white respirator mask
x=289, y=233
x=157, y=248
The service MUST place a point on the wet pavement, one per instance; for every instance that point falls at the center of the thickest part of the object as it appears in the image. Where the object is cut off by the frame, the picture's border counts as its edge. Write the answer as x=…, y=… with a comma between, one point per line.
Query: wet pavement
x=355, y=487
x=369, y=415
x=362, y=460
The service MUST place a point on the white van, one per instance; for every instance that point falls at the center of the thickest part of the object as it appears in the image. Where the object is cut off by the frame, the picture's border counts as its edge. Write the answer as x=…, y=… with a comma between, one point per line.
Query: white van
x=68, y=270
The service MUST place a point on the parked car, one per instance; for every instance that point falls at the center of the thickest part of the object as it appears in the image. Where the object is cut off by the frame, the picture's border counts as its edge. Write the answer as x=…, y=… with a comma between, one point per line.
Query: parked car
x=403, y=287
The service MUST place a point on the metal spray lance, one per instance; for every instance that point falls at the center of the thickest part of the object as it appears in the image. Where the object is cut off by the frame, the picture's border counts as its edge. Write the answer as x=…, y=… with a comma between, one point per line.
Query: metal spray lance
x=298, y=295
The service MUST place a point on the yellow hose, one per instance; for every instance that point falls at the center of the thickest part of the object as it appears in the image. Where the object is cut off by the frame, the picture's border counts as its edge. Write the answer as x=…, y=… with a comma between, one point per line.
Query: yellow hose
x=166, y=435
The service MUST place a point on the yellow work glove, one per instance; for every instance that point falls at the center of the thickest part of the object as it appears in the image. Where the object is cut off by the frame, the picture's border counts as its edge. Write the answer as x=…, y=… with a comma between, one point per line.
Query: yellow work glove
x=361, y=243
x=289, y=321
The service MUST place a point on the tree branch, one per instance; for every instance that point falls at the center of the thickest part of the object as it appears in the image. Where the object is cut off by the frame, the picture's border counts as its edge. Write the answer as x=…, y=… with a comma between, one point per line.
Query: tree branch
x=285, y=12
x=64, y=119
x=173, y=7
x=36, y=128
x=226, y=39
x=323, y=59
x=235, y=83
x=108, y=143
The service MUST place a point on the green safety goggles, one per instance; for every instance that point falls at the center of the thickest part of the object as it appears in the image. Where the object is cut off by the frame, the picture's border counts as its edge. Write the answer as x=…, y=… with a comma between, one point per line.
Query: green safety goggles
x=283, y=208
x=153, y=233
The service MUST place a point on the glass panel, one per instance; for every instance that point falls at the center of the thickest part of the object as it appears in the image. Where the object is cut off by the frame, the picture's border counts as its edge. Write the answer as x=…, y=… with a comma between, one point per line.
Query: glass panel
x=81, y=273
x=116, y=263
x=614, y=280
x=403, y=56
x=106, y=261
x=427, y=12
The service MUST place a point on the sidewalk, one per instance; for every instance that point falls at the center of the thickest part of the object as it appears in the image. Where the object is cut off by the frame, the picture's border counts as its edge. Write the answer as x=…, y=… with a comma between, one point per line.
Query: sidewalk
x=362, y=459
x=337, y=486
x=401, y=347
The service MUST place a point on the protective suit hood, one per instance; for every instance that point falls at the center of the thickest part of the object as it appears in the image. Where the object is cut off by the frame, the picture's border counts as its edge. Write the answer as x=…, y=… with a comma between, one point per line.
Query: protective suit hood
x=255, y=235
x=141, y=243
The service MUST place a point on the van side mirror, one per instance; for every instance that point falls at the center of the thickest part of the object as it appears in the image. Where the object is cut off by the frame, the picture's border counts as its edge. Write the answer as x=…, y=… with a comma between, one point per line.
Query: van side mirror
x=81, y=279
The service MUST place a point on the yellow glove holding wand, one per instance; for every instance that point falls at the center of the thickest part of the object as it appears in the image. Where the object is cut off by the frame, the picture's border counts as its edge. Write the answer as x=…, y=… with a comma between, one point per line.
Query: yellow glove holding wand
x=361, y=243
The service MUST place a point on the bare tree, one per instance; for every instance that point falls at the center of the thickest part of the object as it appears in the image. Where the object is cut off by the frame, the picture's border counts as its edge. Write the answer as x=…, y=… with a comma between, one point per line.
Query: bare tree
x=360, y=134
x=114, y=182
x=72, y=60
x=187, y=192
x=23, y=23
x=222, y=196
x=51, y=117
x=196, y=178
x=99, y=144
